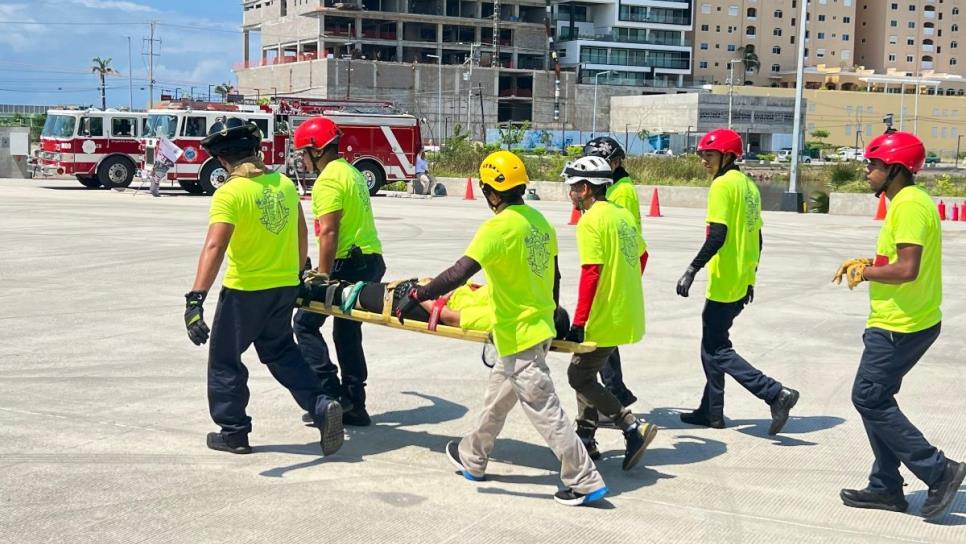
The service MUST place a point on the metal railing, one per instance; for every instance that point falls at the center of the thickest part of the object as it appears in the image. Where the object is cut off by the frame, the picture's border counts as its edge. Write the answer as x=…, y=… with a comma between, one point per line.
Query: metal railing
x=566, y=36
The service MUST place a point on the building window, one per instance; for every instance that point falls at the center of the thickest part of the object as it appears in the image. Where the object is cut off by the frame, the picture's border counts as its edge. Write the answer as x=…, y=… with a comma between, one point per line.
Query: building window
x=733, y=11
x=893, y=23
x=909, y=58
x=821, y=18
x=845, y=37
x=955, y=28
x=893, y=40
x=848, y=130
x=731, y=47
x=892, y=57
x=704, y=46
x=717, y=28
x=752, y=12
x=750, y=31
x=703, y=64
x=705, y=8
x=704, y=28
x=912, y=24
x=952, y=61
x=846, y=55
x=912, y=7
x=846, y=20
x=820, y=53
x=910, y=41
x=821, y=35
x=778, y=14
x=894, y=6
x=776, y=32
x=953, y=44
x=935, y=132
x=776, y=68
x=776, y=50
x=955, y=11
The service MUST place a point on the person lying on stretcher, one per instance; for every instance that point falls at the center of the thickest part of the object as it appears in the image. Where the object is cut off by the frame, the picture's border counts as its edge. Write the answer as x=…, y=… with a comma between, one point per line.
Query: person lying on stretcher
x=466, y=307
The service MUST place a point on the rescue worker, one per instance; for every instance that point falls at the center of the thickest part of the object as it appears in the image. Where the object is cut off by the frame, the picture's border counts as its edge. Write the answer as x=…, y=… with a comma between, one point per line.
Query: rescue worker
x=349, y=249
x=905, y=290
x=622, y=193
x=731, y=251
x=517, y=251
x=611, y=258
x=256, y=218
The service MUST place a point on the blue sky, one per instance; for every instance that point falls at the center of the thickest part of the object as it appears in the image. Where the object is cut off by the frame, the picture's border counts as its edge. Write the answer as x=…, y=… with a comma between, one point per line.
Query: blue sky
x=48, y=62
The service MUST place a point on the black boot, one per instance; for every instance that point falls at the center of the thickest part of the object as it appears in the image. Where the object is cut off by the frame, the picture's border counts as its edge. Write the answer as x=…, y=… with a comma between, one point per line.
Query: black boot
x=780, y=408
x=868, y=498
x=942, y=493
x=702, y=419
x=230, y=443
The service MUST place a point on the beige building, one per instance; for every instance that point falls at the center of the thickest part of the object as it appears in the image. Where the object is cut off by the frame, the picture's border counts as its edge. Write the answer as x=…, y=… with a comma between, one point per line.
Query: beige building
x=912, y=36
x=722, y=28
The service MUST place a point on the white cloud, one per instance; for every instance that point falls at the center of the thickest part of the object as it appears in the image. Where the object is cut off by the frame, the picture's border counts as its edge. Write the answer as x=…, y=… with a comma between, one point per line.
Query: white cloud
x=18, y=37
x=119, y=5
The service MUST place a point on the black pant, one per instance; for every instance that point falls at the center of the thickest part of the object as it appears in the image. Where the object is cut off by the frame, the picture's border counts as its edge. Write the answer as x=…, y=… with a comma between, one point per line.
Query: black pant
x=613, y=377
x=887, y=358
x=592, y=397
x=719, y=358
x=347, y=336
x=263, y=318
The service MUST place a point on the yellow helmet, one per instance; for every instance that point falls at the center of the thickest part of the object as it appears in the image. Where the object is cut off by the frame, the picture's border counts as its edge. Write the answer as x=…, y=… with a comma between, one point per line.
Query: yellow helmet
x=503, y=170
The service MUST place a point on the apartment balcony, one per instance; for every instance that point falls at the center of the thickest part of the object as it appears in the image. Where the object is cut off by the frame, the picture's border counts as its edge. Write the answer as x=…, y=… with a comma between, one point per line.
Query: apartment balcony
x=926, y=65
x=565, y=36
x=928, y=14
x=928, y=31
x=928, y=48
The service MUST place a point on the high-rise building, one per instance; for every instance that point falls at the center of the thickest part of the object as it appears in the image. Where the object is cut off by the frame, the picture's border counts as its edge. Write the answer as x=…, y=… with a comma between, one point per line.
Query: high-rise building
x=912, y=36
x=636, y=42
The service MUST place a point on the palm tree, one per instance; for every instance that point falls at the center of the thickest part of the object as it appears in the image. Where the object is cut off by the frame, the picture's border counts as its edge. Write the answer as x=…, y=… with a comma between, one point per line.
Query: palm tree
x=102, y=67
x=750, y=58
x=224, y=90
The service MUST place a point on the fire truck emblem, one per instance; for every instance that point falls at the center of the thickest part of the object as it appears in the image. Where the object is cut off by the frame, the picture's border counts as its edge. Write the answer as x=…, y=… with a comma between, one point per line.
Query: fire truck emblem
x=88, y=146
x=190, y=154
x=630, y=244
x=274, y=213
x=538, y=251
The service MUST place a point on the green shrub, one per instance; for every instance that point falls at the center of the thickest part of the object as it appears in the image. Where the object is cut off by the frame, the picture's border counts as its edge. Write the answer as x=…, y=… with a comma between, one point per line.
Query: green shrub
x=575, y=151
x=539, y=151
x=818, y=202
x=766, y=156
x=844, y=172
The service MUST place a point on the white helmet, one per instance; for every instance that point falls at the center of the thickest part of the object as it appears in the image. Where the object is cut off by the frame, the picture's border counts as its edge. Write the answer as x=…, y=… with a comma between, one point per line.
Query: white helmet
x=593, y=170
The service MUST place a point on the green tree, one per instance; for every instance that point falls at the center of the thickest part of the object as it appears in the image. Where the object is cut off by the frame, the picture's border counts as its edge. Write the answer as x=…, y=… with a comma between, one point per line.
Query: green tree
x=820, y=135
x=750, y=59
x=513, y=133
x=224, y=90
x=102, y=67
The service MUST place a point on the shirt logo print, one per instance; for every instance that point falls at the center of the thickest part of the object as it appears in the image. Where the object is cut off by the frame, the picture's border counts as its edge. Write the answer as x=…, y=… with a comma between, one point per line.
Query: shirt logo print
x=274, y=213
x=627, y=236
x=538, y=251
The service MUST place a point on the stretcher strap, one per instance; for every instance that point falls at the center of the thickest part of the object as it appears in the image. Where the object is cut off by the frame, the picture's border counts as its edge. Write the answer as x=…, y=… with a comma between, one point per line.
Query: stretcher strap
x=387, y=299
x=330, y=291
x=437, y=310
x=350, y=297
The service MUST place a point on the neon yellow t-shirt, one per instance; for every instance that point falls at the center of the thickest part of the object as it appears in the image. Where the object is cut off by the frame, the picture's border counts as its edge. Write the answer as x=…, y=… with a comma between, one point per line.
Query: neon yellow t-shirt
x=624, y=195
x=735, y=202
x=340, y=187
x=912, y=306
x=606, y=236
x=263, y=252
x=516, y=249
x=473, y=306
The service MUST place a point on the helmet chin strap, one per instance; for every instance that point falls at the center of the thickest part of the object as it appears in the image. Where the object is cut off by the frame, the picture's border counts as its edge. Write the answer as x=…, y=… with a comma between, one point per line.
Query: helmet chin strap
x=893, y=172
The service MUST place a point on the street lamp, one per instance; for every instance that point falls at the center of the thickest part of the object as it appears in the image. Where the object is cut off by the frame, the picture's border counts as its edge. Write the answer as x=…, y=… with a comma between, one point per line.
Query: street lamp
x=593, y=130
x=959, y=140
x=348, y=69
x=731, y=86
x=439, y=95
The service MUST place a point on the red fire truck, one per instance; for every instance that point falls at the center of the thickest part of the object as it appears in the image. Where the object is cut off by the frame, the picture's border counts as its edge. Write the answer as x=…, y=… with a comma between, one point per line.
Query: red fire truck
x=99, y=147
x=383, y=145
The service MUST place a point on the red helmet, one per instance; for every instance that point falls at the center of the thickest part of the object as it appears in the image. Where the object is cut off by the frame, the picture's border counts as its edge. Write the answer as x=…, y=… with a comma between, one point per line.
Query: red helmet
x=316, y=132
x=903, y=148
x=724, y=140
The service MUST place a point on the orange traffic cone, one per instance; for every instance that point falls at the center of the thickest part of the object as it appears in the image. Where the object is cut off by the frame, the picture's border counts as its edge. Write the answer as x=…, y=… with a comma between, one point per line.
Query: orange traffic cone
x=655, y=210
x=880, y=212
x=469, y=190
x=574, y=216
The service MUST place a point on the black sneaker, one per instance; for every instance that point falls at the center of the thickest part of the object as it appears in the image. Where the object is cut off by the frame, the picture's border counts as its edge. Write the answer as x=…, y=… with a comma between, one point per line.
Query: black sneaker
x=453, y=454
x=780, y=407
x=357, y=417
x=702, y=419
x=942, y=493
x=867, y=498
x=230, y=443
x=331, y=430
x=569, y=497
x=637, y=439
x=592, y=450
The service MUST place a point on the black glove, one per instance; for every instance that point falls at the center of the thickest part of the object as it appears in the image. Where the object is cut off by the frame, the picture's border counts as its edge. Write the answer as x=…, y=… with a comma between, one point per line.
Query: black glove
x=412, y=302
x=576, y=334
x=750, y=297
x=194, y=317
x=684, y=284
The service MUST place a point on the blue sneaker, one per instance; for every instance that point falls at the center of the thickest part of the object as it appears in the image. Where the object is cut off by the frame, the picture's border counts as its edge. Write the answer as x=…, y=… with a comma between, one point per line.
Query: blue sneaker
x=569, y=497
x=453, y=454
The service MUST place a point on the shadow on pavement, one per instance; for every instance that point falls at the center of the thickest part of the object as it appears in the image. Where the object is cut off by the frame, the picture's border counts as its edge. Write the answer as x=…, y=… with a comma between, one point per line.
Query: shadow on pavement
x=955, y=516
x=669, y=418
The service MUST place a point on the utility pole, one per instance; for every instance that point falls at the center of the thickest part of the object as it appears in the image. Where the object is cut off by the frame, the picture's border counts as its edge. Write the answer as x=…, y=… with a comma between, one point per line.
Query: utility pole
x=792, y=200
x=731, y=84
x=483, y=119
x=130, y=76
x=151, y=54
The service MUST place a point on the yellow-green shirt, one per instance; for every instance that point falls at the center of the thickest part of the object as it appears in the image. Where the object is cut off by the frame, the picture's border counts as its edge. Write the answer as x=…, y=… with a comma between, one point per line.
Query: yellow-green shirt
x=516, y=249
x=735, y=202
x=473, y=306
x=340, y=187
x=624, y=195
x=606, y=235
x=263, y=252
x=912, y=306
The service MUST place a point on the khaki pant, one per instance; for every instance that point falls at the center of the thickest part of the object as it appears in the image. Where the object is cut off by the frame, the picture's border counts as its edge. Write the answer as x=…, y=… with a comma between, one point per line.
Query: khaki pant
x=525, y=377
x=592, y=396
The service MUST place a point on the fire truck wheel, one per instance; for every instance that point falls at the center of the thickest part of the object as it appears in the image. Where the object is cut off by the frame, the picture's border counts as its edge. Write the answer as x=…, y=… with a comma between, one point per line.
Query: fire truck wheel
x=192, y=187
x=88, y=181
x=213, y=175
x=375, y=178
x=115, y=172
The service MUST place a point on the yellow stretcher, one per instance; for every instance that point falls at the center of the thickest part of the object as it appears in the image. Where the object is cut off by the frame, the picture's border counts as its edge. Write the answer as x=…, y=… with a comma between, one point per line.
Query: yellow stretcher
x=456, y=333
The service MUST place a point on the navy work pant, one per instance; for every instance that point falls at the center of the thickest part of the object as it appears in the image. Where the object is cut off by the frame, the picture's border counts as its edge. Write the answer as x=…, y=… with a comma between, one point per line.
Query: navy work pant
x=262, y=318
x=719, y=358
x=346, y=334
x=887, y=358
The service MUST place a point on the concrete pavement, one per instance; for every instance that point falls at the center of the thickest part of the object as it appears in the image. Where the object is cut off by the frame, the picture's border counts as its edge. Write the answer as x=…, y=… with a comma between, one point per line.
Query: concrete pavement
x=103, y=411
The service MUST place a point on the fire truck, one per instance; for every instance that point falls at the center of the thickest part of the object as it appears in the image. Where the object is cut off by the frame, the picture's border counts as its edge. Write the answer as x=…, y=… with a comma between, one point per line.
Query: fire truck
x=382, y=144
x=99, y=147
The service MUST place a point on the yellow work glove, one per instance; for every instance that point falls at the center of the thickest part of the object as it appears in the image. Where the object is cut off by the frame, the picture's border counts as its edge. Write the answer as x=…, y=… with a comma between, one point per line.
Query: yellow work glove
x=852, y=270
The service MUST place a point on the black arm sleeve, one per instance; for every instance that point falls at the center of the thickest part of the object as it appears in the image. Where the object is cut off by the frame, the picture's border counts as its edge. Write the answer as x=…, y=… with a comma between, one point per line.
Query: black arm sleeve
x=556, y=281
x=717, y=233
x=449, y=279
x=761, y=242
